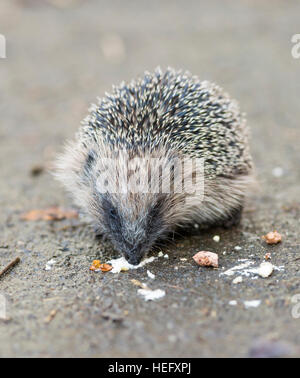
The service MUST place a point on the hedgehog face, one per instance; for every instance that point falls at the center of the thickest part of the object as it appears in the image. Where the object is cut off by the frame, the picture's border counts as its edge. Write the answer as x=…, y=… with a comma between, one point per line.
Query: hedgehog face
x=132, y=233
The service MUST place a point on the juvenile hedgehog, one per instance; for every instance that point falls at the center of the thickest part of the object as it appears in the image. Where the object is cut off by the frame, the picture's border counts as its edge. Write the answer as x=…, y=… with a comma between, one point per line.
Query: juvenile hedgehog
x=132, y=167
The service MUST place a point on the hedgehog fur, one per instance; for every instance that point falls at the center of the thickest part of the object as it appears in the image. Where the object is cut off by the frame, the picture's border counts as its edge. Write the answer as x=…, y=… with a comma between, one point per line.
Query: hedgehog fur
x=156, y=120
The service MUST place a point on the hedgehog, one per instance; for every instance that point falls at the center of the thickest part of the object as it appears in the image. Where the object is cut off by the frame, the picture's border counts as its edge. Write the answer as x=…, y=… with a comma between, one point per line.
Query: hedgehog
x=163, y=152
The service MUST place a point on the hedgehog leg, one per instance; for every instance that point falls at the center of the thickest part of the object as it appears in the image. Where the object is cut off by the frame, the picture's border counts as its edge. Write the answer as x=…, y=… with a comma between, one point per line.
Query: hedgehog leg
x=233, y=219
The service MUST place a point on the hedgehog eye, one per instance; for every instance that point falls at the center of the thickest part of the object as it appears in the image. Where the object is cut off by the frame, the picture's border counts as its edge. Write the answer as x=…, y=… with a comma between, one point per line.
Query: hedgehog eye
x=109, y=209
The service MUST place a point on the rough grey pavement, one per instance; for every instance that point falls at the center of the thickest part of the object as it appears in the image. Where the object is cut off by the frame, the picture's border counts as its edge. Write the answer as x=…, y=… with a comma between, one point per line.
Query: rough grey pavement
x=61, y=55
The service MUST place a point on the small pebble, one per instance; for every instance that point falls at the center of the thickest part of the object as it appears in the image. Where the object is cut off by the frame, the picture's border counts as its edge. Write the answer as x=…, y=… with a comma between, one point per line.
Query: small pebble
x=237, y=248
x=166, y=256
x=160, y=254
x=232, y=303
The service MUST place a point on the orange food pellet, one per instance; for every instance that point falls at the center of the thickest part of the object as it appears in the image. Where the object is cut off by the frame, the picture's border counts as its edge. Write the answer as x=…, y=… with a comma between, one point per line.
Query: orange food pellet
x=105, y=267
x=95, y=265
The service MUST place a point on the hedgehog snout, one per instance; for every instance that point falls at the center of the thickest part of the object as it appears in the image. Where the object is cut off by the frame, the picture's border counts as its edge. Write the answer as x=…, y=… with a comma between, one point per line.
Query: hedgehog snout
x=134, y=255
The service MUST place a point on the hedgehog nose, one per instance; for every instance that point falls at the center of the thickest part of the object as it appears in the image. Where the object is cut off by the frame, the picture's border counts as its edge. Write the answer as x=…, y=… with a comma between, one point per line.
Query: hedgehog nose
x=133, y=256
x=134, y=260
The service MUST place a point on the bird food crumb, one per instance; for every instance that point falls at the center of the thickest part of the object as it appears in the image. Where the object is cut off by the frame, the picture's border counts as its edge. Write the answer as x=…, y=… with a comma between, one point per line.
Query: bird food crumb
x=95, y=265
x=204, y=258
x=150, y=275
x=105, y=267
x=121, y=264
x=265, y=269
x=237, y=280
x=216, y=238
x=139, y=284
x=151, y=295
x=272, y=237
x=237, y=248
x=252, y=304
x=50, y=264
x=51, y=316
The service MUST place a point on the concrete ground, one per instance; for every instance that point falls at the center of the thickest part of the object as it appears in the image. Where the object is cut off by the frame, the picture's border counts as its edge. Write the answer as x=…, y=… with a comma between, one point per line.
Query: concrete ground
x=61, y=54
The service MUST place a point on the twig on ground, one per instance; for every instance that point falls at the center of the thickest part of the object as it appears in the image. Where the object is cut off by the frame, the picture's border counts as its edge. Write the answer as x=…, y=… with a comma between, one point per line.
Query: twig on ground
x=10, y=265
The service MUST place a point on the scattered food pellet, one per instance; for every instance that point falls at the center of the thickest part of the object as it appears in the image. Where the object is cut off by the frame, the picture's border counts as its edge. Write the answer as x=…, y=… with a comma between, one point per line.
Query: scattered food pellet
x=139, y=283
x=50, y=264
x=121, y=264
x=237, y=248
x=216, y=238
x=160, y=254
x=204, y=258
x=50, y=316
x=49, y=214
x=124, y=269
x=183, y=259
x=252, y=304
x=105, y=267
x=151, y=295
x=166, y=256
x=238, y=280
x=265, y=269
x=240, y=268
x=272, y=237
x=95, y=265
x=150, y=275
